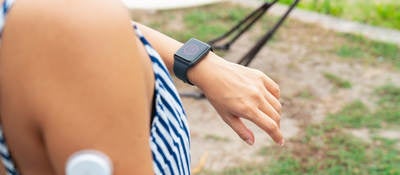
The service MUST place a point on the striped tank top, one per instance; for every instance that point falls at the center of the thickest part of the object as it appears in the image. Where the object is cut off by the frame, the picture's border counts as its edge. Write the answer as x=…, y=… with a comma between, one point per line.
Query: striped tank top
x=169, y=132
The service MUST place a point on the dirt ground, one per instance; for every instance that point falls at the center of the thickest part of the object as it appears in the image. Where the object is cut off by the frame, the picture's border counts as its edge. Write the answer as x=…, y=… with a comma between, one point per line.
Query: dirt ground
x=297, y=59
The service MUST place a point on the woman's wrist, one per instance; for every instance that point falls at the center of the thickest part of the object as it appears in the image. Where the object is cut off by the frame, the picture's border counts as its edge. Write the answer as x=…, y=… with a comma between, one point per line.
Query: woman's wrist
x=204, y=71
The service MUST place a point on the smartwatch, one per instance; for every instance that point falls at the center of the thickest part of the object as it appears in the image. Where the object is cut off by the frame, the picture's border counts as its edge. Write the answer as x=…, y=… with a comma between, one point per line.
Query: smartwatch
x=189, y=55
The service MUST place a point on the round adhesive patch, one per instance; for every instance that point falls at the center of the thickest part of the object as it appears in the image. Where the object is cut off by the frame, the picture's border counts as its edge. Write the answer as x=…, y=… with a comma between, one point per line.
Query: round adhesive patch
x=89, y=162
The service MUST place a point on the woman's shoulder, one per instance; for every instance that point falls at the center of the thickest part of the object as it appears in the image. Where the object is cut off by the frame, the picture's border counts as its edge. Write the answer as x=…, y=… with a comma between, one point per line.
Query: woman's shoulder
x=61, y=13
x=54, y=42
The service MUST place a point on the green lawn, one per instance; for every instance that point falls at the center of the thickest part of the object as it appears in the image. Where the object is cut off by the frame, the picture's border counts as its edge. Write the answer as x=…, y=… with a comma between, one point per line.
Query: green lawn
x=329, y=149
x=204, y=23
x=383, y=13
x=357, y=47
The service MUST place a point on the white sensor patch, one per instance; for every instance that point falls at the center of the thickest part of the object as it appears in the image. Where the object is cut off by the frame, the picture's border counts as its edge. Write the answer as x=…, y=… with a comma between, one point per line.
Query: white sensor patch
x=89, y=162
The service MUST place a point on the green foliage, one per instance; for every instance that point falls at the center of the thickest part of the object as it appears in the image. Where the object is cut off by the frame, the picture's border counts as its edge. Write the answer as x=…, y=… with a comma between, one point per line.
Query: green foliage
x=337, y=81
x=381, y=13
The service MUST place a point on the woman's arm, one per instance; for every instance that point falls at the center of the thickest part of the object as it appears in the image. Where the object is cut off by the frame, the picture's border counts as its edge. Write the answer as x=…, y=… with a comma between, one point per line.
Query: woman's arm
x=235, y=91
x=80, y=76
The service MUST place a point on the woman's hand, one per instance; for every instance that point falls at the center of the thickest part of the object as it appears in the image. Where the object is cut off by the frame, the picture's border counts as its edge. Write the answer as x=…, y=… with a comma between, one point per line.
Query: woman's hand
x=239, y=92
x=235, y=91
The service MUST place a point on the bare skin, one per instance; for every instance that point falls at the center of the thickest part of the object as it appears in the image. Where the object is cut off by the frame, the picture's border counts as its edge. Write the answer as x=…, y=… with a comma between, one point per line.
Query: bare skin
x=73, y=80
x=70, y=81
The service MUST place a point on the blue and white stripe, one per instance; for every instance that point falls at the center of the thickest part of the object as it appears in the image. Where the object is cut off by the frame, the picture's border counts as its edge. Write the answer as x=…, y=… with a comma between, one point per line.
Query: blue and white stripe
x=6, y=157
x=5, y=7
x=169, y=139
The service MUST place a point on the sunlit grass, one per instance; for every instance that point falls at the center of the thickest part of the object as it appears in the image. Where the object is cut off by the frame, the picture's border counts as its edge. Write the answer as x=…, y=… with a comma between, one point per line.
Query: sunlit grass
x=383, y=13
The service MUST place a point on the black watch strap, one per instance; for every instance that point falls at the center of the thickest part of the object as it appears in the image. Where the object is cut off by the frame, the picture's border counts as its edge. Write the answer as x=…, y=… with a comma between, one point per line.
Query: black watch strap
x=180, y=70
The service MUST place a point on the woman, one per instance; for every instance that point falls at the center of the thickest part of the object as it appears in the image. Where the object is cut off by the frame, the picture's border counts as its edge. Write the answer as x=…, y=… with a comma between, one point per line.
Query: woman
x=74, y=76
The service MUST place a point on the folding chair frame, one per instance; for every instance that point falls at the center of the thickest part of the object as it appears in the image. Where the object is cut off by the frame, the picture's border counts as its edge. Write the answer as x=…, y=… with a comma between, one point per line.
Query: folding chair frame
x=245, y=24
x=239, y=29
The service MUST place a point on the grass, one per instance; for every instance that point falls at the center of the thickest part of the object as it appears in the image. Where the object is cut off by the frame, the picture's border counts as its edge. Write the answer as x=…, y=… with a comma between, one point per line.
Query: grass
x=370, y=51
x=347, y=51
x=355, y=115
x=220, y=21
x=390, y=104
x=375, y=48
x=288, y=165
x=216, y=138
x=305, y=94
x=337, y=81
x=383, y=13
x=390, y=96
x=217, y=21
x=328, y=148
x=203, y=23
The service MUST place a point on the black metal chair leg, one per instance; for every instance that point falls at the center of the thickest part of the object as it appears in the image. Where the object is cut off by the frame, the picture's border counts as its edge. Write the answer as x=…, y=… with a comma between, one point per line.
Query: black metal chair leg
x=249, y=56
x=240, y=28
x=243, y=26
x=195, y=95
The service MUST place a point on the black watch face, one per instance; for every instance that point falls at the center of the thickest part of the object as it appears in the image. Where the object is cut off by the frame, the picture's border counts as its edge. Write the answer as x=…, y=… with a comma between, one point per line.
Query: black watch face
x=192, y=50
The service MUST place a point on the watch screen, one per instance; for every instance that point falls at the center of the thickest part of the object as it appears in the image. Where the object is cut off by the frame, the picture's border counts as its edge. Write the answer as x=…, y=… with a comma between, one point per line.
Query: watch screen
x=192, y=50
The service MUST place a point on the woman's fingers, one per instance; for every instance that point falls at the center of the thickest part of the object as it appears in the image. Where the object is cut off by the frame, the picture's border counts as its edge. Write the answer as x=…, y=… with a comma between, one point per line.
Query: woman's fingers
x=272, y=87
x=238, y=126
x=273, y=101
x=267, y=124
x=271, y=105
x=267, y=108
